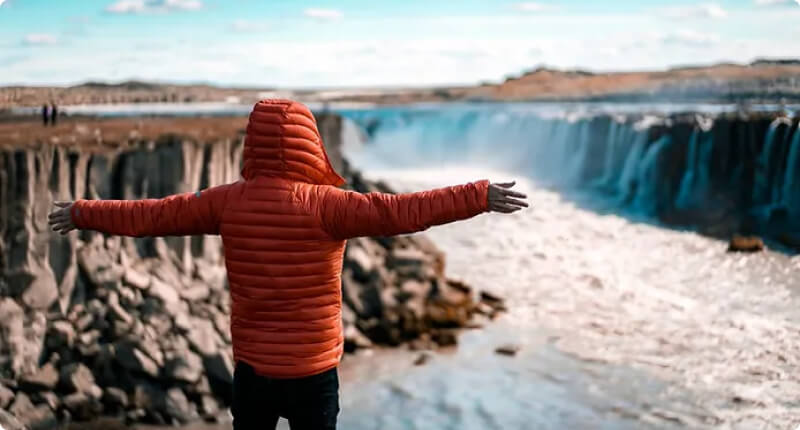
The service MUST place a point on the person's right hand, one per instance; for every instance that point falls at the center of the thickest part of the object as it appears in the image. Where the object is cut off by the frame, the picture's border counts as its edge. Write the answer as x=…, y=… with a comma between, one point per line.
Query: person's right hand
x=503, y=200
x=60, y=220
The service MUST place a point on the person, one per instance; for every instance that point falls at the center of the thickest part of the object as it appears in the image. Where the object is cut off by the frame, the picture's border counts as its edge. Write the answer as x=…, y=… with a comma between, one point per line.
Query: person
x=284, y=227
x=45, y=114
x=53, y=113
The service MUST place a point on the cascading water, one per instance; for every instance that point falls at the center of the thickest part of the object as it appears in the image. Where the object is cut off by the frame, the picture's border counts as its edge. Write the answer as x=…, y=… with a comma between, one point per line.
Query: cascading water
x=727, y=170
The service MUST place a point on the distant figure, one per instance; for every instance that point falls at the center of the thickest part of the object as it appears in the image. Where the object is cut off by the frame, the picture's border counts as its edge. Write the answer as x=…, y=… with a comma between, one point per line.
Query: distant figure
x=53, y=114
x=45, y=114
x=284, y=226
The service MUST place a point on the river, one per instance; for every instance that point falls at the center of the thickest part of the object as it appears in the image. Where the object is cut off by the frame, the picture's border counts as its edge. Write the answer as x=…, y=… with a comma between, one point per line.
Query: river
x=620, y=324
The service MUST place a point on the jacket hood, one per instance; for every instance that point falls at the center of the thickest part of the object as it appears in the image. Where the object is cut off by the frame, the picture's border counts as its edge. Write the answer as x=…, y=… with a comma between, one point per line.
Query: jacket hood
x=283, y=141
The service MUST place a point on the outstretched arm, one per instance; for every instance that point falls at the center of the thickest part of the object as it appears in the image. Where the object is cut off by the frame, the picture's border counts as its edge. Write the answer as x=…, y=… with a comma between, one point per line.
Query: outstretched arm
x=348, y=214
x=178, y=215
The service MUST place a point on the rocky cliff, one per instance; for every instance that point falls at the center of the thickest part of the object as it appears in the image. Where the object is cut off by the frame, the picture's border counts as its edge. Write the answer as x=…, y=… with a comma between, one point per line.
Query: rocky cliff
x=93, y=325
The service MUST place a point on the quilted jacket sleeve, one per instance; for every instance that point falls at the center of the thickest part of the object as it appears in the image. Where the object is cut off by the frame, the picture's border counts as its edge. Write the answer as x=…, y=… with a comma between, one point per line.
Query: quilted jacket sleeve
x=177, y=215
x=347, y=214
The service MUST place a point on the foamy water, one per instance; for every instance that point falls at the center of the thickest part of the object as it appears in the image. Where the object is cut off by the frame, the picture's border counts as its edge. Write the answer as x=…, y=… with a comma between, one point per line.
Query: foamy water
x=658, y=327
x=621, y=325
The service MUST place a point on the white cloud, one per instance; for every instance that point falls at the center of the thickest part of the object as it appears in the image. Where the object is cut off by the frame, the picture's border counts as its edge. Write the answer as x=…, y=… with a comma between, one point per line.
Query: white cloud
x=532, y=7
x=153, y=6
x=776, y=2
x=691, y=38
x=323, y=14
x=245, y=26
x=706, y=10
x=40, y=39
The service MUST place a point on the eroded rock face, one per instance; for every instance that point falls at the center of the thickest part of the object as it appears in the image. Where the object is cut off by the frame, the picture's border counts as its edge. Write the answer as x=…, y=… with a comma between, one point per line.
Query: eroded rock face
x=94, y=325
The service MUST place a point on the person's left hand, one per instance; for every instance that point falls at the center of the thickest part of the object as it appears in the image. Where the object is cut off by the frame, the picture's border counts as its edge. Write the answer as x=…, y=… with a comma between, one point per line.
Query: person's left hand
x=60, y=220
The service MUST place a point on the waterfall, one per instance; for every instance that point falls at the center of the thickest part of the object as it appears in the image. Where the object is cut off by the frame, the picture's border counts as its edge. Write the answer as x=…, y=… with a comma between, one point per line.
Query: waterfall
x=791, y=182
x=692, y=168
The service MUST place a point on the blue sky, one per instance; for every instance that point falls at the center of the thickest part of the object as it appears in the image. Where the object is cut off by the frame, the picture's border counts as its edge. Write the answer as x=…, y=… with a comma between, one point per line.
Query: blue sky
x=346, y=43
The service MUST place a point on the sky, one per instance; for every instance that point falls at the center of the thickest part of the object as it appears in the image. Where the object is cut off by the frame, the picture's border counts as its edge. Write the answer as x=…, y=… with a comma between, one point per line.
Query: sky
x=361, y=43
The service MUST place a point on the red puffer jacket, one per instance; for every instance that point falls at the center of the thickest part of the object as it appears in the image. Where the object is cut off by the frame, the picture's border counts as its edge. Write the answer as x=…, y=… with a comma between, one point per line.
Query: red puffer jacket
x=284, y=227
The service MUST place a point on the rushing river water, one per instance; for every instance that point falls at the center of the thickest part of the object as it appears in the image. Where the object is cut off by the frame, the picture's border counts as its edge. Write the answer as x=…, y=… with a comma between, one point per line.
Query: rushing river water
x=621, y=325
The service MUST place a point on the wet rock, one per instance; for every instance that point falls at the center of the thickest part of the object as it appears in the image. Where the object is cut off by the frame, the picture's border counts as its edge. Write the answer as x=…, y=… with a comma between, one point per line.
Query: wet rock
x=187, y=367
x=422, y=343
x=213, y=275
x=135, y=360
x=444, y=337
x=361, y=263
x=203, y=337
x=745, y=244
x=81, y=406
x=177, y=406
x=21, y=405
x=116, y=308
x=39, y=418
x=137, y=279
x=33, y=417
x=49, y=398
x=61, y=334
x=509, y=350
x=422, y=359
x=76, y=377
x=115, y=398
x=354, y=339
x=6, y=396
x=44, y=379
x=219, y=373
x=165, y=292
x=197, y=292
x=10, y=422
x=408, y=261
x=209, y=407
x=42, y=291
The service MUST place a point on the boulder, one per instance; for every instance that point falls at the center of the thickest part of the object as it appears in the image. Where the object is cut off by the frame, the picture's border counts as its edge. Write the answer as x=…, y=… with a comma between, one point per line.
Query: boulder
x=187, y=367
x=745, y=244
x=81, y=406
x=76, y=377
x=197, y=292
x=164, y=292
x=135, y=360
x=45, y=379
x=444, y=337
x=360, y=261
x=509, y=350
x=61, y=335
x=408, y=261
x=33, y=417
x=49, y=398
x=209, y=407
x=203, y=337
x=177, y=406
x=354, y=339
x=115, y=398
x=116, y=308
x=422, y=359
x=137, y=279
x=10, y=422
x=6, y=396
x=21, y=405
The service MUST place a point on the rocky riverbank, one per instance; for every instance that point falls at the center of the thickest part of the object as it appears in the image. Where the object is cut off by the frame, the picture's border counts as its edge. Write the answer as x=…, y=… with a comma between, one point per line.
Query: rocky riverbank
x=138, y=328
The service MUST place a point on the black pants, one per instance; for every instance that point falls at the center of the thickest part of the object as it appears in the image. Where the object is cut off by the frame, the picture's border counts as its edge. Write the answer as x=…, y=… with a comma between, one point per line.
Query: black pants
x=310, y=403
